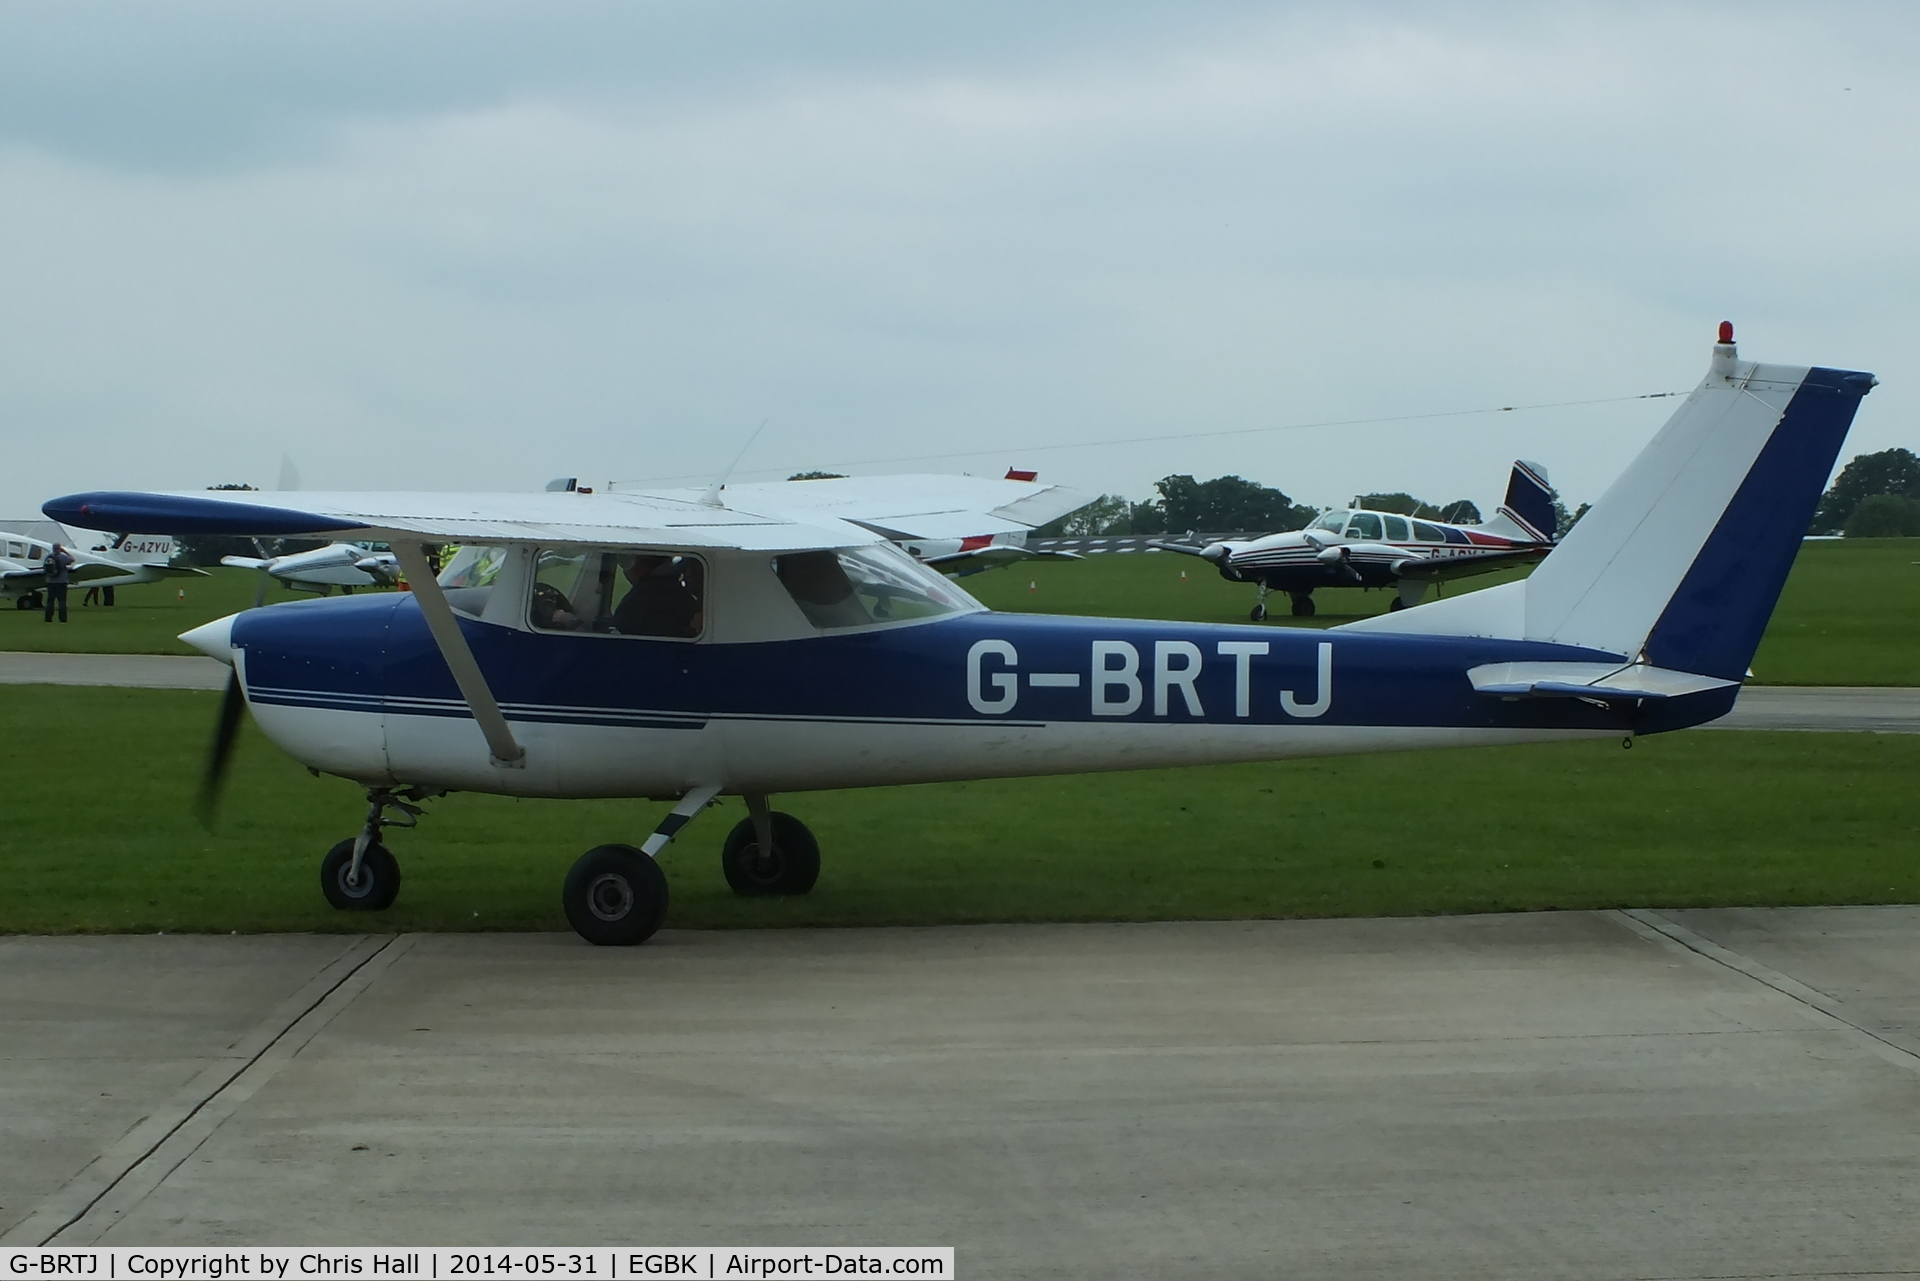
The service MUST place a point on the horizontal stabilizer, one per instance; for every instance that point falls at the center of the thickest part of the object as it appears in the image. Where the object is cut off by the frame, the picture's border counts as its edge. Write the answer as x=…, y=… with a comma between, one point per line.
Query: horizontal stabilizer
x=1607, y=681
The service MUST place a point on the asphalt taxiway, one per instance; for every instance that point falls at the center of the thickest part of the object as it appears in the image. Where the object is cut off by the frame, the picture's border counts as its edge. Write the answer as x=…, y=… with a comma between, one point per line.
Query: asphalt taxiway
x=1593, y=1094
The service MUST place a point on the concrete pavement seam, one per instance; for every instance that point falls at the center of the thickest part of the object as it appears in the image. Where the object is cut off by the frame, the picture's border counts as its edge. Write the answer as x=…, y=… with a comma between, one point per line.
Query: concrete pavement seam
x=1650, y=924
x=145, y=1176
x=70, y=1202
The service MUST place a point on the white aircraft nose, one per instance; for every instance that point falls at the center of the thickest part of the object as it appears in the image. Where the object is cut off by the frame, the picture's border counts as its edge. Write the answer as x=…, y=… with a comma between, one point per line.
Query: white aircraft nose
x=213, y=639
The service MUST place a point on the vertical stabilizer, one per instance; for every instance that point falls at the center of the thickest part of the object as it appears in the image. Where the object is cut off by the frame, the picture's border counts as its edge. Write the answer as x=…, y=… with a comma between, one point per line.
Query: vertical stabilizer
x=1529, y=502
x=1681, y=561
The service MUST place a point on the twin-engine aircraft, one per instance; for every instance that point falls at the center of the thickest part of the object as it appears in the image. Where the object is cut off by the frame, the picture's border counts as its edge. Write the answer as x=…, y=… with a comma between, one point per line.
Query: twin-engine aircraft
x=678, y=647
x=1359, y=548
x=321, y=569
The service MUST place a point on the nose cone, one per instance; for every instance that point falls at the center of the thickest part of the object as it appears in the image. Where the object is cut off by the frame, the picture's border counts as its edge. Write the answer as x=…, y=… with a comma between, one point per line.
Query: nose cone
x=213, y=639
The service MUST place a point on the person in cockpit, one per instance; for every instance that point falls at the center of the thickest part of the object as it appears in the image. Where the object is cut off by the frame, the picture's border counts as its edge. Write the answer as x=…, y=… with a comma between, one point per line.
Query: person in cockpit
x=663, y=597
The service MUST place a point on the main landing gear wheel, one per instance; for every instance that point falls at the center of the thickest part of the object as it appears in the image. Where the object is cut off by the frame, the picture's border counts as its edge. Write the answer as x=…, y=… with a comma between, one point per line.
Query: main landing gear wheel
x=1303, y=606
x=615, y=896
x=790, y=867
x=373, y=890
x=1258, y=613
x=1395, y=605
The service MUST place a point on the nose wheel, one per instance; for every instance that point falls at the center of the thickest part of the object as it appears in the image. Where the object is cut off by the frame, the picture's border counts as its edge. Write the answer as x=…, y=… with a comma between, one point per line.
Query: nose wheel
x=369, y=887
x=360, y=874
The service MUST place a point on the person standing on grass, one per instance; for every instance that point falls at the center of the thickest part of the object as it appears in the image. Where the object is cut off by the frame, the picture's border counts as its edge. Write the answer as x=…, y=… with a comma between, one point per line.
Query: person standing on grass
x=58, y=568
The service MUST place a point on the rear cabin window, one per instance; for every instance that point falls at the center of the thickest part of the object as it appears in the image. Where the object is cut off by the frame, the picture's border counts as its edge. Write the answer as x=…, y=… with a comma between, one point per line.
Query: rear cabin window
x=1396, y=529
x=661, y=595
x=1427, y=533
x=861, y=586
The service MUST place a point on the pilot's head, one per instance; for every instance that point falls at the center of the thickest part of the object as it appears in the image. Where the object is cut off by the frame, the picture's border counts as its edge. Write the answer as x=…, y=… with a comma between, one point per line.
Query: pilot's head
x=644, y=564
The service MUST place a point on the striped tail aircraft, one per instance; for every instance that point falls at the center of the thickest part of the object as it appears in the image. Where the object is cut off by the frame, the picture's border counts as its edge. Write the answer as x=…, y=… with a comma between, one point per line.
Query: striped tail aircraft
x=691, y=647
x=1354, y=547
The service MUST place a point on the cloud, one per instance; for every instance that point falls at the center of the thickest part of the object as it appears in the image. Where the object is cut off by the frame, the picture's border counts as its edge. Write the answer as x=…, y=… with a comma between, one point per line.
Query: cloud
x=478, y=247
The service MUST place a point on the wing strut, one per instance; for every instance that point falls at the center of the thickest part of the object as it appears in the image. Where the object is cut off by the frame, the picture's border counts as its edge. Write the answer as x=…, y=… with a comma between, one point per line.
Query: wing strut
x=453, y=647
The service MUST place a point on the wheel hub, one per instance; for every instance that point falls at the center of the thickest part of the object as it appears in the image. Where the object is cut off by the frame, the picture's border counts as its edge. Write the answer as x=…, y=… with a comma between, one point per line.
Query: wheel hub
x=610, y=897
x=764, y=865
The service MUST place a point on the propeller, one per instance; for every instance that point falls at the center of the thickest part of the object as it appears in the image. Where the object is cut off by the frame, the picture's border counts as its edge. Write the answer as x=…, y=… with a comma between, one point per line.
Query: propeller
x=225, y=731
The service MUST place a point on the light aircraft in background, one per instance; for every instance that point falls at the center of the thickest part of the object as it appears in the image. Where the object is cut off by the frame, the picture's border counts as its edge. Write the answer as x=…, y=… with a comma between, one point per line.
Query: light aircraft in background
x=122, y=563
x=687, y=646
x=957, y=542
x=321, y=569
x=1353, y=547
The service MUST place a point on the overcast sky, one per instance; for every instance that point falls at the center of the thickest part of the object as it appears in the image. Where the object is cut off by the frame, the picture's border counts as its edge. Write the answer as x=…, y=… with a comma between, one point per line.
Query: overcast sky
x=476, y=246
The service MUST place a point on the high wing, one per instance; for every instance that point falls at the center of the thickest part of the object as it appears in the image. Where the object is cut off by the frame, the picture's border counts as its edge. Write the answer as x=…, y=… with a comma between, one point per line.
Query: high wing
x=915, y=506
x=766, y=517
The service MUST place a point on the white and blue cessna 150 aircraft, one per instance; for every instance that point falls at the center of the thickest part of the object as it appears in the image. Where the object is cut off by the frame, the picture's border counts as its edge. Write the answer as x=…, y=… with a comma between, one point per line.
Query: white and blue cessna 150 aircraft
x=664, y=646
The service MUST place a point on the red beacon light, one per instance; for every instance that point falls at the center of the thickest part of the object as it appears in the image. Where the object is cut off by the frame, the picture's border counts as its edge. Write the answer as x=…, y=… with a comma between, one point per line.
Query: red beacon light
x=1726, y=333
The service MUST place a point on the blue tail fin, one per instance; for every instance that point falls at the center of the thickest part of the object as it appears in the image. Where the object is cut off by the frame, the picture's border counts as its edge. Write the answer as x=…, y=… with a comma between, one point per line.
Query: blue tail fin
x=1678, y=566
x=1530, y=501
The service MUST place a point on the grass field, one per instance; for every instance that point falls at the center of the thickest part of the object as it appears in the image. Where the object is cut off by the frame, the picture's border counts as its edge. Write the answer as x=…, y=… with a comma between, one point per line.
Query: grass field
x=1849, y=615
x=145, y=619
x=102, y=838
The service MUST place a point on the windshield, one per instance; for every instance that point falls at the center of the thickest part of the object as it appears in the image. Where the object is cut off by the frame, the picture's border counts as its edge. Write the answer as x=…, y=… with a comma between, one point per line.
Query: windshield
x=1332, y=522
x=860, y=586
x=472, y=566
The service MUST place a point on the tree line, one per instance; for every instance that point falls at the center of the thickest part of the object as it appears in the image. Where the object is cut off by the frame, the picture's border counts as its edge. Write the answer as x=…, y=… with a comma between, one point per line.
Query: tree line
x=1227, y=504
x=1874, y=496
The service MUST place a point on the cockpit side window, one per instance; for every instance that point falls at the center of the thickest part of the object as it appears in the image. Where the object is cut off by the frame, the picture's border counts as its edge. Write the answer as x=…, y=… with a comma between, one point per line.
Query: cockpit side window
x=1364, y=525
x=861, y=586
x=654, y=594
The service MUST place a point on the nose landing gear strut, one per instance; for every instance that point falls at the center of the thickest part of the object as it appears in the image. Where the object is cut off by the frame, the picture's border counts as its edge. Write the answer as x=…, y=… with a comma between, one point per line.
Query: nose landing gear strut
x=361, y=874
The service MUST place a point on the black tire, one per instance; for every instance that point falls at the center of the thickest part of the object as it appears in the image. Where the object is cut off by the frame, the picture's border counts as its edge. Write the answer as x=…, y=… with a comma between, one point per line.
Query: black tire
x=1303, y=606
x=791, y=867
x=1258, y=613
x=615, y=896
x=1396, y=605
x=379, y=882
